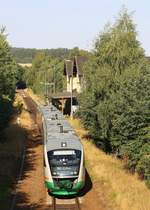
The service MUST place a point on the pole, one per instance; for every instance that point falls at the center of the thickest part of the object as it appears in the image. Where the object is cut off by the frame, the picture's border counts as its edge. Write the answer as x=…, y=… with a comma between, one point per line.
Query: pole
x=54, y=79
x=71, y=112
x=45, y=84
x=46, y=88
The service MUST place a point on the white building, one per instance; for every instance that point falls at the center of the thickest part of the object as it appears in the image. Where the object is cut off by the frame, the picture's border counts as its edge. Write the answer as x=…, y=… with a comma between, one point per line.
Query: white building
x=73, y=69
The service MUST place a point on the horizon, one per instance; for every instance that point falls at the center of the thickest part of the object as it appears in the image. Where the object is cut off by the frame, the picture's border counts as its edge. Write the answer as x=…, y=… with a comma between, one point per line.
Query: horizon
x=52, y=25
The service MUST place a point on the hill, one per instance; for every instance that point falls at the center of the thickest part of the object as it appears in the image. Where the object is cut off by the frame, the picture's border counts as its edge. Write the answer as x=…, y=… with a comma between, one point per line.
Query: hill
x=26, y=55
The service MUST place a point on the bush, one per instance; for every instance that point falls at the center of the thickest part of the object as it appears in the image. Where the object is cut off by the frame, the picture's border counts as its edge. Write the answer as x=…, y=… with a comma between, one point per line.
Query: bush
x=6, y=109
x=143, y=166
x=131, y=152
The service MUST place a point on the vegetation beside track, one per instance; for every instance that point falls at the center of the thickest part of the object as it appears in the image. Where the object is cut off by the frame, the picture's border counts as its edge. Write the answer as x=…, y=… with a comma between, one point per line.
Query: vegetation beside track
x=9, y=71
x=115, y=105
x=11, y=134
x=115, y=188
x=11, y=150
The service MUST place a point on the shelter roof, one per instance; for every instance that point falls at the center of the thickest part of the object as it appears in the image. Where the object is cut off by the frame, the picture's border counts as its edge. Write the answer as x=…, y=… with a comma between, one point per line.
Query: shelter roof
x=63, y=95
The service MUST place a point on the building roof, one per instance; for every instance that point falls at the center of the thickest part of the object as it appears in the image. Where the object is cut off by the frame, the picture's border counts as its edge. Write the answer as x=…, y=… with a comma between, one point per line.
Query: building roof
x=75, y=67
x=68, y=67
x=80, y=61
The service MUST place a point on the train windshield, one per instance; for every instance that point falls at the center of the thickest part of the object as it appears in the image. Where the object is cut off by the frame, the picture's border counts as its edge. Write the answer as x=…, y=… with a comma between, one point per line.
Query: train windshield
x=64, y=162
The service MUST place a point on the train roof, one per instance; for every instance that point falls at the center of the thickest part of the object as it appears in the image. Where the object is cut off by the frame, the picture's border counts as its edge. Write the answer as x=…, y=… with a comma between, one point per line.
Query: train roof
x=51, y=113
x=59, y=133
x=63, y=141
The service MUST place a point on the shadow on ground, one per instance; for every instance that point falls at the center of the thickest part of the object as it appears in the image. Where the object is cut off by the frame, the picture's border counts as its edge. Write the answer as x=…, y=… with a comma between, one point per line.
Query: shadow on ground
x=25, y=204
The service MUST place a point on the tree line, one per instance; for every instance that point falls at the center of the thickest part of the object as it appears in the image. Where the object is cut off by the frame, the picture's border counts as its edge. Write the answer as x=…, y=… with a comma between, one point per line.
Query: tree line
x=115, y=105
x=26, y=55
x=9, y=71
x=45, y=75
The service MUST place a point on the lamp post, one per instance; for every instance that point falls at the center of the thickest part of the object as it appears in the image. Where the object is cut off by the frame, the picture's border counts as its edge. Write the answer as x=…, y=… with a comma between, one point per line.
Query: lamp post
x=54, y=79
x=45, y=85
x=71, y=99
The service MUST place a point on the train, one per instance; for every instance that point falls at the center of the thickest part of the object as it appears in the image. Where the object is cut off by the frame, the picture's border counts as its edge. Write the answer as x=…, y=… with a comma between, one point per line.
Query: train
x=63, y=154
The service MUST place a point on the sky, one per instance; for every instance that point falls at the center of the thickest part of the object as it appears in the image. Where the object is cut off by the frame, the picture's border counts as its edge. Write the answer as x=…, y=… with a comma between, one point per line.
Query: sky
x=68, y=23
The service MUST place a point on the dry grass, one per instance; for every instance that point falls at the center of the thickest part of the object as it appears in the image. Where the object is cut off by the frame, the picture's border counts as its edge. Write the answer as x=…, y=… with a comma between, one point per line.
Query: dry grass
x=121, y=190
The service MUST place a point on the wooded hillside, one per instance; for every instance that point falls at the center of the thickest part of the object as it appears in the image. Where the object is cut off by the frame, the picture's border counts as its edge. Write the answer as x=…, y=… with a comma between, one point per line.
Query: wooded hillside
x=25, y=55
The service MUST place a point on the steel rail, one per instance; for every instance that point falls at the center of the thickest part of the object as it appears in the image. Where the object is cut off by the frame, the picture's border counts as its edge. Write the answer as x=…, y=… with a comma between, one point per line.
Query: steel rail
x=54, y=203
x=77, y=203
x=75, y=206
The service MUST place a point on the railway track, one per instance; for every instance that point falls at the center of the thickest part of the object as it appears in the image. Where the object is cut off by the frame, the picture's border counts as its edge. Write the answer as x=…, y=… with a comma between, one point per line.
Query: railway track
x=74, y=206
x=30, y=104
x=57, y=204
x=32, y=108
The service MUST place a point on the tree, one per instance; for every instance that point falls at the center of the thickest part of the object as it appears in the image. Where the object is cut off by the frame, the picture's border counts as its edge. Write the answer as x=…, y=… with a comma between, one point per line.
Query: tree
x=45, y=74
x=115, y=103
x=117, y=47
x=77, y=52
x=8, y=71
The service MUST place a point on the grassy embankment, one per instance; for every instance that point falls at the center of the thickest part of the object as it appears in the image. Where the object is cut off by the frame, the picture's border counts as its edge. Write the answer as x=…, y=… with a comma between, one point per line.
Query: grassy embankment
x=115, y=187
x=10, y=155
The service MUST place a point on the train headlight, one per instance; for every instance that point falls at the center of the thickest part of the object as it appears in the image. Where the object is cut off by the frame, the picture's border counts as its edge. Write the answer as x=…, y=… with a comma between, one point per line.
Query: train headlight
x=75, y=172
x=54, y=173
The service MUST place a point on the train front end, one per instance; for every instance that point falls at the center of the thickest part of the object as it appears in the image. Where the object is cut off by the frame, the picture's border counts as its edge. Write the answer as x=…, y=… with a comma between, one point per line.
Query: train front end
x=65, y=171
